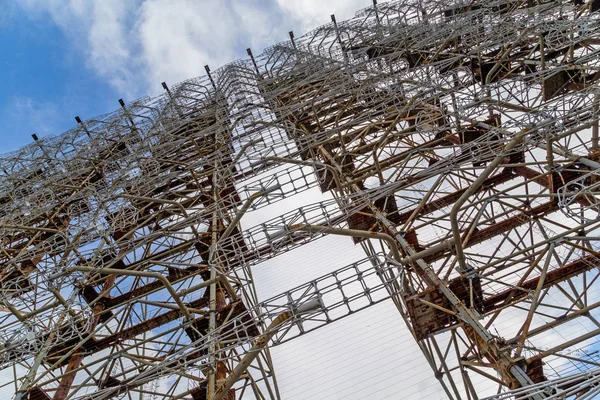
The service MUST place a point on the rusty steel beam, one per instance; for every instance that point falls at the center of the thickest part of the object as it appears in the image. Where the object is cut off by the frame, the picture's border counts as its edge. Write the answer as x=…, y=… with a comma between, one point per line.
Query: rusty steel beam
x=501, y=227
x=553, y=277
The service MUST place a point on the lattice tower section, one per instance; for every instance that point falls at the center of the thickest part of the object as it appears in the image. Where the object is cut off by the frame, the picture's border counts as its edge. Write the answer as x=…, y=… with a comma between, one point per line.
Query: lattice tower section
x=455, y=142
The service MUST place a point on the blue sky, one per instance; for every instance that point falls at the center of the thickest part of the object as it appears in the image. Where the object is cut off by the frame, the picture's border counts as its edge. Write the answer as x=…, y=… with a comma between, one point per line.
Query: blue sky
x=62, y=58
x=45, y=82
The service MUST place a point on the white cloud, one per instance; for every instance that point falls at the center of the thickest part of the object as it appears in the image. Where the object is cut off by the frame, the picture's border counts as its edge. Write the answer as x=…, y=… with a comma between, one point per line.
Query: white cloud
x=313, y=13
x=100, y=30
x=110, y=52
x=135, y=45
x=178, y=39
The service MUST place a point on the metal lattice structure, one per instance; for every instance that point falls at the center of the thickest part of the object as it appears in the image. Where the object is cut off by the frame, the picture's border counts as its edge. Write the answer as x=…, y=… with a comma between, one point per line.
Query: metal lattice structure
x=456, y=142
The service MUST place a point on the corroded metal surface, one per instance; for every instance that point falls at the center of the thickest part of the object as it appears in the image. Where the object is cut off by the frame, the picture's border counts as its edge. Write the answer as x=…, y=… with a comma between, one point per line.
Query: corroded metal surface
x=466, y=133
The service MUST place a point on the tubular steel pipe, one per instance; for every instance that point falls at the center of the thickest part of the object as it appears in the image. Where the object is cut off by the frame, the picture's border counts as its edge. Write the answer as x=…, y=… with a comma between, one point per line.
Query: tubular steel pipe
x=376, y=235
x=251, y=355
x=243, y=150
x=330, y=168
x=463, y=313
x=534, y=302
x=154, y=275
x=153, y=200
x=244, y=208
x=260, y=343
x=460, y=255
x=213, y=271
x=354, y=233
x=471, y=319
x=22, y=317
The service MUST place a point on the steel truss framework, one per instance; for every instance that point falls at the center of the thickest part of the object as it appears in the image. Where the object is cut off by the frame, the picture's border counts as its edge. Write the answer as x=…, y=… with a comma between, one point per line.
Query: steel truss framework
x=458, y=145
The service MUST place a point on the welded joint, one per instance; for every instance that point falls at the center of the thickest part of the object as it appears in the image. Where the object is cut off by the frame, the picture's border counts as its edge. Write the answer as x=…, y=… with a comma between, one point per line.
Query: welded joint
x=253, y=197
x=244, y=148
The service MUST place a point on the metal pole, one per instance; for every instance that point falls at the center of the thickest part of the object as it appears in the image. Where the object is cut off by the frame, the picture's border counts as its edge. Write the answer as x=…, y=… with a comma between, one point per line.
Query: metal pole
x=154, y=275
x=260, y=344
x=460, y=256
